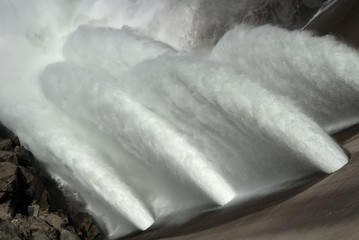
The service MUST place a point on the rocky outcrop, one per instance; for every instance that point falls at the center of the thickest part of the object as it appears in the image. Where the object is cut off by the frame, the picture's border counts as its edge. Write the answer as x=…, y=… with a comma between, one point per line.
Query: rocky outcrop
x=341, y=20
x=29, y=200
x=291, y=14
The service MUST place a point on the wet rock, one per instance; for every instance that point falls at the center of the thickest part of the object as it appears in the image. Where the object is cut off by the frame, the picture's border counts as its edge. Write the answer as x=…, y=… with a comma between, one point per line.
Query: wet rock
x=84, y=222
x=34, y=188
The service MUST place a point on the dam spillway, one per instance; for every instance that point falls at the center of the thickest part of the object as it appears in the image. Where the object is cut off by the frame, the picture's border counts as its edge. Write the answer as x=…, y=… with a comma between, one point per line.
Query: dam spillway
x=125, y=104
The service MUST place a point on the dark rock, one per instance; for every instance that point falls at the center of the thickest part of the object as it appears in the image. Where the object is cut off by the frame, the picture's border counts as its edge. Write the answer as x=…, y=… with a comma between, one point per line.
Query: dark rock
x=6, y=145
x=3, y=196
x=25, y=157
x=67, y=235
x=6, y=210
x=5, y=236
x=7, y=156
x=27, y=209
x=57, y=221
x=292, y=14
x=34, y=188
x=15, y=141
x=85, y=223
x=312, y=3
x=8, y=177
x=4, y=132
x=8, y=189
x=220, y=16
x=29, y=228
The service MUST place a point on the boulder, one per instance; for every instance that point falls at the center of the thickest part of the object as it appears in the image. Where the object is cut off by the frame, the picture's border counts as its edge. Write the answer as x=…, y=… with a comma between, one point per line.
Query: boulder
x=57, y=221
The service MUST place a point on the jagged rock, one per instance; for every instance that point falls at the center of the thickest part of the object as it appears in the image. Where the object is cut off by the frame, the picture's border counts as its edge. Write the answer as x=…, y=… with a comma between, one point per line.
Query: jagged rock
x=6, y=210
x=15, y=141
x=94, y=233
x=25, y=157
x=21, y=188
x=84, y=222
x=4, y=132
x=29, y=228
x=288, y=14
x=9, y=144
x=7, y=156
x=8, y=189
x=6, y=145
x=67, y=235
x=3, y=196
x=34, y=188
x=57, y=221
x=5, y=236
x=8, y=177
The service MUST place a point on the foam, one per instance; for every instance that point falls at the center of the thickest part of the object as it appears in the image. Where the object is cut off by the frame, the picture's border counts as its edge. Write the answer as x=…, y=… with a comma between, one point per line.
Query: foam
x=318, y=73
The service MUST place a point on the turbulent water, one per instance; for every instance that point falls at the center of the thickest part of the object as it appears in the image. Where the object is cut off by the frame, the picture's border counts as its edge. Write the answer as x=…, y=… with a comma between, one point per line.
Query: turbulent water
x=131, y=105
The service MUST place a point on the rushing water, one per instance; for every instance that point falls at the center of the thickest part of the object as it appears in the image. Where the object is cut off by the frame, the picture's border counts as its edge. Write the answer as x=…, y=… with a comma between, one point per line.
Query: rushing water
x=131, y=105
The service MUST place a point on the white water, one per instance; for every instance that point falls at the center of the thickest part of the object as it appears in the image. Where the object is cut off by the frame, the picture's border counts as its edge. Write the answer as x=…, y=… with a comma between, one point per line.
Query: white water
x=146, y=119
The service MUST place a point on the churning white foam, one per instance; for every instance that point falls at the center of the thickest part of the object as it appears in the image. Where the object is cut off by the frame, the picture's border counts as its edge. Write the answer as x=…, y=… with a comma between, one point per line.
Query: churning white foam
x=112, y=100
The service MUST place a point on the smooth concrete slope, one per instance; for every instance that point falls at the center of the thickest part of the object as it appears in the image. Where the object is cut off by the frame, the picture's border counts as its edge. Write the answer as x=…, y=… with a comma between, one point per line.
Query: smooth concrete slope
x=328, y=209
x=325, y=208
x=340, y=20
